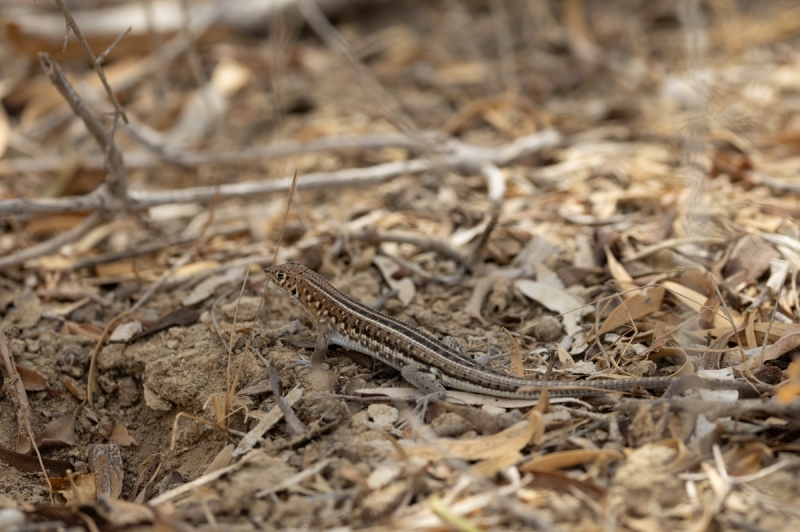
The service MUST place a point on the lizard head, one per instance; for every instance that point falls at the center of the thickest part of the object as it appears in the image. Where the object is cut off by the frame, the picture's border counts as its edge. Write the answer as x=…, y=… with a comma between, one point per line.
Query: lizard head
x=286, y=276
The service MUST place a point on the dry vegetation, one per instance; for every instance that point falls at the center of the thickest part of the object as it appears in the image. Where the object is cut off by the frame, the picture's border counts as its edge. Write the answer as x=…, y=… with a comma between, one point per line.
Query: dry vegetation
x=614, y=182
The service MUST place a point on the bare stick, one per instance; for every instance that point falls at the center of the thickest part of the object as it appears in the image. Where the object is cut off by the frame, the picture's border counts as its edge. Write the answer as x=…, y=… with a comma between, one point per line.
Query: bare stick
x=15, y=391
x=295, y=425
x=102, y=57
x=92, y=59
x=201, y=239
x=158, y=154
x=52, y=245
x=144, y=249
x=463, y=156
x=91, y=380
x=150, y=65
x=424, y=242
x=116, y=199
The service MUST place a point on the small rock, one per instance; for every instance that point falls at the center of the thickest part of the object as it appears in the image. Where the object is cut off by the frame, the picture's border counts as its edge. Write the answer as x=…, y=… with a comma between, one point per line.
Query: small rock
x=11, y=518
x=383, y=416
x=549, y=330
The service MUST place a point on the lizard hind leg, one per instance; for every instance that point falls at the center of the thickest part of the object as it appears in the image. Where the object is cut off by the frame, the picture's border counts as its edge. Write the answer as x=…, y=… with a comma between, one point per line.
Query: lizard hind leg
x=427, y=381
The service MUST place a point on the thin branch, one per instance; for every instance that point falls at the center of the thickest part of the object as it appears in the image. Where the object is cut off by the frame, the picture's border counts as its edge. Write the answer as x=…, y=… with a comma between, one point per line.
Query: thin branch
x=52, y=245
x=102, y=57
x=424, y=242
x=157, y=154
x=463, y=155
x=148, y=66
x=15, y=391
x=117, y=175
x=147, y=247
x=92, y=59
x=202, y=238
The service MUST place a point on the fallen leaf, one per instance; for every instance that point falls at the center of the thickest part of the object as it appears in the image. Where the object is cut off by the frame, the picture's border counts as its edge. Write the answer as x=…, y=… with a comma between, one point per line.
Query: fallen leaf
x=30, y=463
x=120, y=435
x=404, y=287
x=141, y=496
x=638, y=306
x=223, y=459
x=558, y=481
x=33, y=381
x=696, y=301
x=126, y=331
x=105, y=461
x=5, y=131
x=557, y=300
x=571, y=458
x=123, y=514
x=60, y=432
x=686, y=368
x=75, y=389
x=179, y=317
x=516, y=355
x=564, y=357
x=206, y=288
x=498, y=450
x=83, y=329
x=620, y=274
x=790, y=389
x=81, y=489
x=788, y=342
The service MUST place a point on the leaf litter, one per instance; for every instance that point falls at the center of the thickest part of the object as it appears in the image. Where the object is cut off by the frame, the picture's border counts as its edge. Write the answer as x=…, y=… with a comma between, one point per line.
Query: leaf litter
x=646, y=226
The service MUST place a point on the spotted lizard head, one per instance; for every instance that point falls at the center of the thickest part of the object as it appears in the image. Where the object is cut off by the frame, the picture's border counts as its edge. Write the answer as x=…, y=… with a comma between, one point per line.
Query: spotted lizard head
x=287, y=276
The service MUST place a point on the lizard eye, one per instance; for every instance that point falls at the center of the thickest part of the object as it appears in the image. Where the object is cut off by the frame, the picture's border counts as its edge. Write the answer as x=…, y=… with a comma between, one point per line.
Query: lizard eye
x=280, y=276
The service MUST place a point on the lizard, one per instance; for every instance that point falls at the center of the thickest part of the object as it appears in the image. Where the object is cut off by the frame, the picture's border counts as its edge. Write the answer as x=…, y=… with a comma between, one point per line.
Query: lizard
x=431, y=365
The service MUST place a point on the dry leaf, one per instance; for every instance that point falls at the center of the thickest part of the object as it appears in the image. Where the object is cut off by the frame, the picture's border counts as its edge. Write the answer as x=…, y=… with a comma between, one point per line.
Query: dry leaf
x=141, y=496
x=5, y=131
x=788, y=342
x=81, y=489
x=123, y=514
x=516, y=355
x=223, y=459
x=564, y=357
x=620, y=274
x=60, y=432
x=496, y=449
x=126, y=331
x=30, y=463
x=206, y=288
x=404, y=287
x=75, y=389
x=572, y=458
x=790, y=389
x=120, y=435
x=180, y=317
x=685, y=369
x=557, y=300
x=482, y=287
x=634, y=308
x=33, y=381
x=272, y=417
x=558, y=481
x=105, y=461
x=83, y=329
x=696, y=301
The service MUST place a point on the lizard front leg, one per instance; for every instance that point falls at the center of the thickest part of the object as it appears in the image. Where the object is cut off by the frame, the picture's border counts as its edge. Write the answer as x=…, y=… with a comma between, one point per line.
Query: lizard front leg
x=317, y=357
x=320, y=348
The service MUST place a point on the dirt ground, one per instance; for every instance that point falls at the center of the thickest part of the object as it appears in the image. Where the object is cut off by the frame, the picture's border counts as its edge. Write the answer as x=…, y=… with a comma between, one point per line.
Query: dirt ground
x=644, y=225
